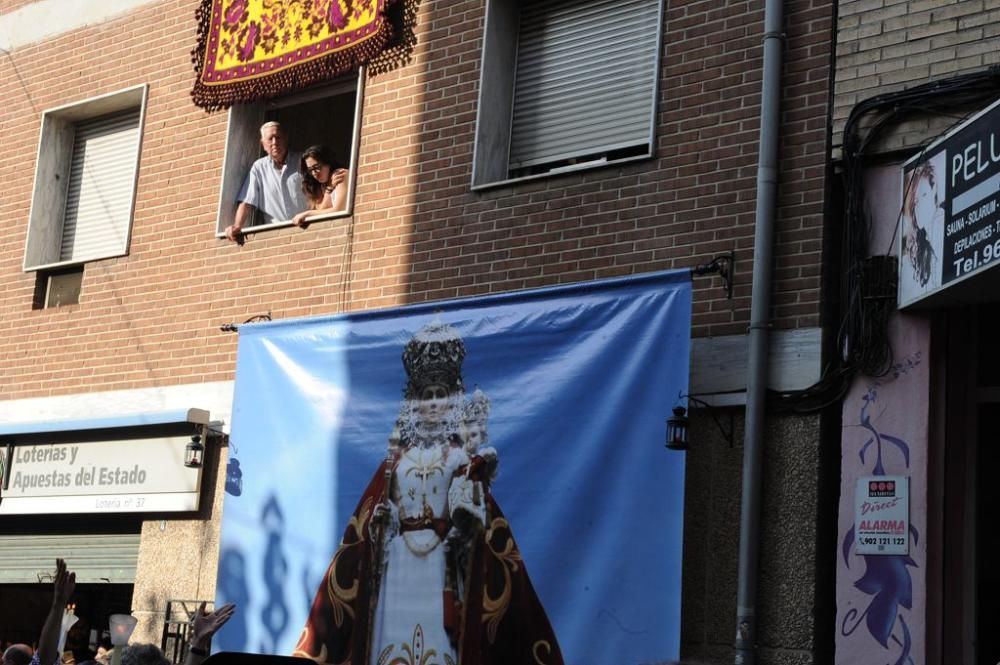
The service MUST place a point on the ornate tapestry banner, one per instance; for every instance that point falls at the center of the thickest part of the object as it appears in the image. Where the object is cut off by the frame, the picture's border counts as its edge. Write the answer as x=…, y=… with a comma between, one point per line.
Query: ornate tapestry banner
x=258, y=49
x=471, y=482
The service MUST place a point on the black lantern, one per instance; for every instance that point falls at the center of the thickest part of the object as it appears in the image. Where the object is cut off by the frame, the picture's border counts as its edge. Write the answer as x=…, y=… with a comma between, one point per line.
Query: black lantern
x=677, y=429
x=194, y=452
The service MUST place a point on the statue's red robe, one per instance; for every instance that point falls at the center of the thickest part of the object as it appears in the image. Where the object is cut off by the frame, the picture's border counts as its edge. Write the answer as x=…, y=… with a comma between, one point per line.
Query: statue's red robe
x=500, y=622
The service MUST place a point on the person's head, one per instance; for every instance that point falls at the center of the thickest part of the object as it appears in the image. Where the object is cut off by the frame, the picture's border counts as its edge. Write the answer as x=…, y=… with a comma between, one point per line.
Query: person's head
x=318, y=163
x=17, y=654
x=144, y=654
x=921, y=195
x=433, y=362
x=474, y=415
x=274, y=141
x=433, y=404
x=473, y=436
x=317, y=166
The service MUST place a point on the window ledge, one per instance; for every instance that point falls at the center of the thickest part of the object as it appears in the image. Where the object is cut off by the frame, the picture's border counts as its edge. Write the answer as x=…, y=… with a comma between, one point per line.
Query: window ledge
x=74, y=262
x=560, y=171
x=273, y=226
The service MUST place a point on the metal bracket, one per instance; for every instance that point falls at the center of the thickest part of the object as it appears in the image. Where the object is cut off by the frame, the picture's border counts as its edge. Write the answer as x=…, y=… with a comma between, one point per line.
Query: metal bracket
x=6, y=459
x=235, y=327
x=727, y=436
x=723, y=265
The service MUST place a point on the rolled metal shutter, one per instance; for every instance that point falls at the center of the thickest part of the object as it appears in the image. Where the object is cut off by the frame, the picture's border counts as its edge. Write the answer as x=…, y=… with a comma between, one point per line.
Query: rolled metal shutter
x=586, y=79
x=94, y=557
x=101, y=183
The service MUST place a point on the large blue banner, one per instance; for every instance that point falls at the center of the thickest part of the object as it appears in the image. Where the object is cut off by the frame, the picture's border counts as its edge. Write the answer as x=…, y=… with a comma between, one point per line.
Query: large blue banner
x=459, y=481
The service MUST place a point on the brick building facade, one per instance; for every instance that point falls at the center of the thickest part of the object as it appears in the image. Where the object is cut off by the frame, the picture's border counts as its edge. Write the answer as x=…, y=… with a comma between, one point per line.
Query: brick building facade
x=146, y=330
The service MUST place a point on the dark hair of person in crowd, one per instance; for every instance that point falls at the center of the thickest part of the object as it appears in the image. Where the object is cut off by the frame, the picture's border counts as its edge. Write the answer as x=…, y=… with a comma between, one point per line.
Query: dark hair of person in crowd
x=144, y=654
x=17, y=654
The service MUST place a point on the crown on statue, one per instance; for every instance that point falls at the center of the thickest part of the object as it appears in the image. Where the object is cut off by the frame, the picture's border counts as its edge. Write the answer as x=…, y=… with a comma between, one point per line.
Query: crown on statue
x=434, y=357
x=477, y=409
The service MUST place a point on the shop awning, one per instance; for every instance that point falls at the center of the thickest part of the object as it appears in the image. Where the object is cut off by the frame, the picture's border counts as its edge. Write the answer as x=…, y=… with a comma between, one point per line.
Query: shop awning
x=176, y=416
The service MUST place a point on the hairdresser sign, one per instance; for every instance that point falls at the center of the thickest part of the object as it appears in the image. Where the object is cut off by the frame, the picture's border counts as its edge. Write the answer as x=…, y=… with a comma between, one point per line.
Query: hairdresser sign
x=950, y=209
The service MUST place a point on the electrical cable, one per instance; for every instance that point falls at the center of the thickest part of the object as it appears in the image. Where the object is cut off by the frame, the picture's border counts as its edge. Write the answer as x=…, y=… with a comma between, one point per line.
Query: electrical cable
x=868, y=286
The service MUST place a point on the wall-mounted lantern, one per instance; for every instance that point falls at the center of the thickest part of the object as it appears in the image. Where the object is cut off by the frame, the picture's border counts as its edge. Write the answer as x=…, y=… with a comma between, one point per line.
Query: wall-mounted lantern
x=677, y=429
x=194, y=453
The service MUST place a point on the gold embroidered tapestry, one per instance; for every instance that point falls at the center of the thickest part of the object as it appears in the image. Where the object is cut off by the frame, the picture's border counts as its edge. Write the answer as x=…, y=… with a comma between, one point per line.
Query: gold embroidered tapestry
x=258, y=49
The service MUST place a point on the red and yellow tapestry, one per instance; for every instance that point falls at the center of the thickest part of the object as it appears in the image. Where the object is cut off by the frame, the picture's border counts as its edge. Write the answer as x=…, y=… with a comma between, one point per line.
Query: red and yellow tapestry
x=258, y=49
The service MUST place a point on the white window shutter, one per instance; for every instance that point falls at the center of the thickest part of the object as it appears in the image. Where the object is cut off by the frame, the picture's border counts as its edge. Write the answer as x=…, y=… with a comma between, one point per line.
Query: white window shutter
x=102, y=181
x=586, y=79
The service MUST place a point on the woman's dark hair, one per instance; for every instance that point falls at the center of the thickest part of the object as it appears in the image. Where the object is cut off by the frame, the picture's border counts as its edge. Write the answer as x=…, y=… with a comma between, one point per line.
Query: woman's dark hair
x=312, y=187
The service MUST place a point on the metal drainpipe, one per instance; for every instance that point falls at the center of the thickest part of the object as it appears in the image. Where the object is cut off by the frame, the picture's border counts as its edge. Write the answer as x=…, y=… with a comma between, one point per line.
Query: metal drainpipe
x=753, y=441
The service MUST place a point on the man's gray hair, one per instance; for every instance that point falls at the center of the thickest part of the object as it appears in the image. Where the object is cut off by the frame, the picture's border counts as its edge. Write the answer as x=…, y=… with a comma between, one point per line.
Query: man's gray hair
x=144, y=654
x=269, y=124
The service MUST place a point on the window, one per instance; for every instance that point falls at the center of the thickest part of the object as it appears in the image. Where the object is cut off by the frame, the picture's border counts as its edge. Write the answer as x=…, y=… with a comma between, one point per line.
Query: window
x=329, y=115
x=85, y=177
x=566, y=85
x=58, y=287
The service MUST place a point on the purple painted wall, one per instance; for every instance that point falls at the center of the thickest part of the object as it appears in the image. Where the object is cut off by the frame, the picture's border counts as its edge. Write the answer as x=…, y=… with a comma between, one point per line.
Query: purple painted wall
x=882, y=599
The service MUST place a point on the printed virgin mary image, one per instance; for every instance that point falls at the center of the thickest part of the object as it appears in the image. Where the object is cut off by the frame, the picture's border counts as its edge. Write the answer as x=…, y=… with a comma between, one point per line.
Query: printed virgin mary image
x=428, y=571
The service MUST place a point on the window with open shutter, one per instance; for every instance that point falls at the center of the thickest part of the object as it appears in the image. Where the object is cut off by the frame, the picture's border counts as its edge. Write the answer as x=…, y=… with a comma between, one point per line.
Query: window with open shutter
x=328, y=115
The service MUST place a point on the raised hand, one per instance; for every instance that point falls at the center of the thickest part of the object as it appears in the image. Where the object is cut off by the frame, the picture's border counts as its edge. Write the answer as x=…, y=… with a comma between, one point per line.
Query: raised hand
x=338, y=177
x=205, y=625
x=65, y=584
